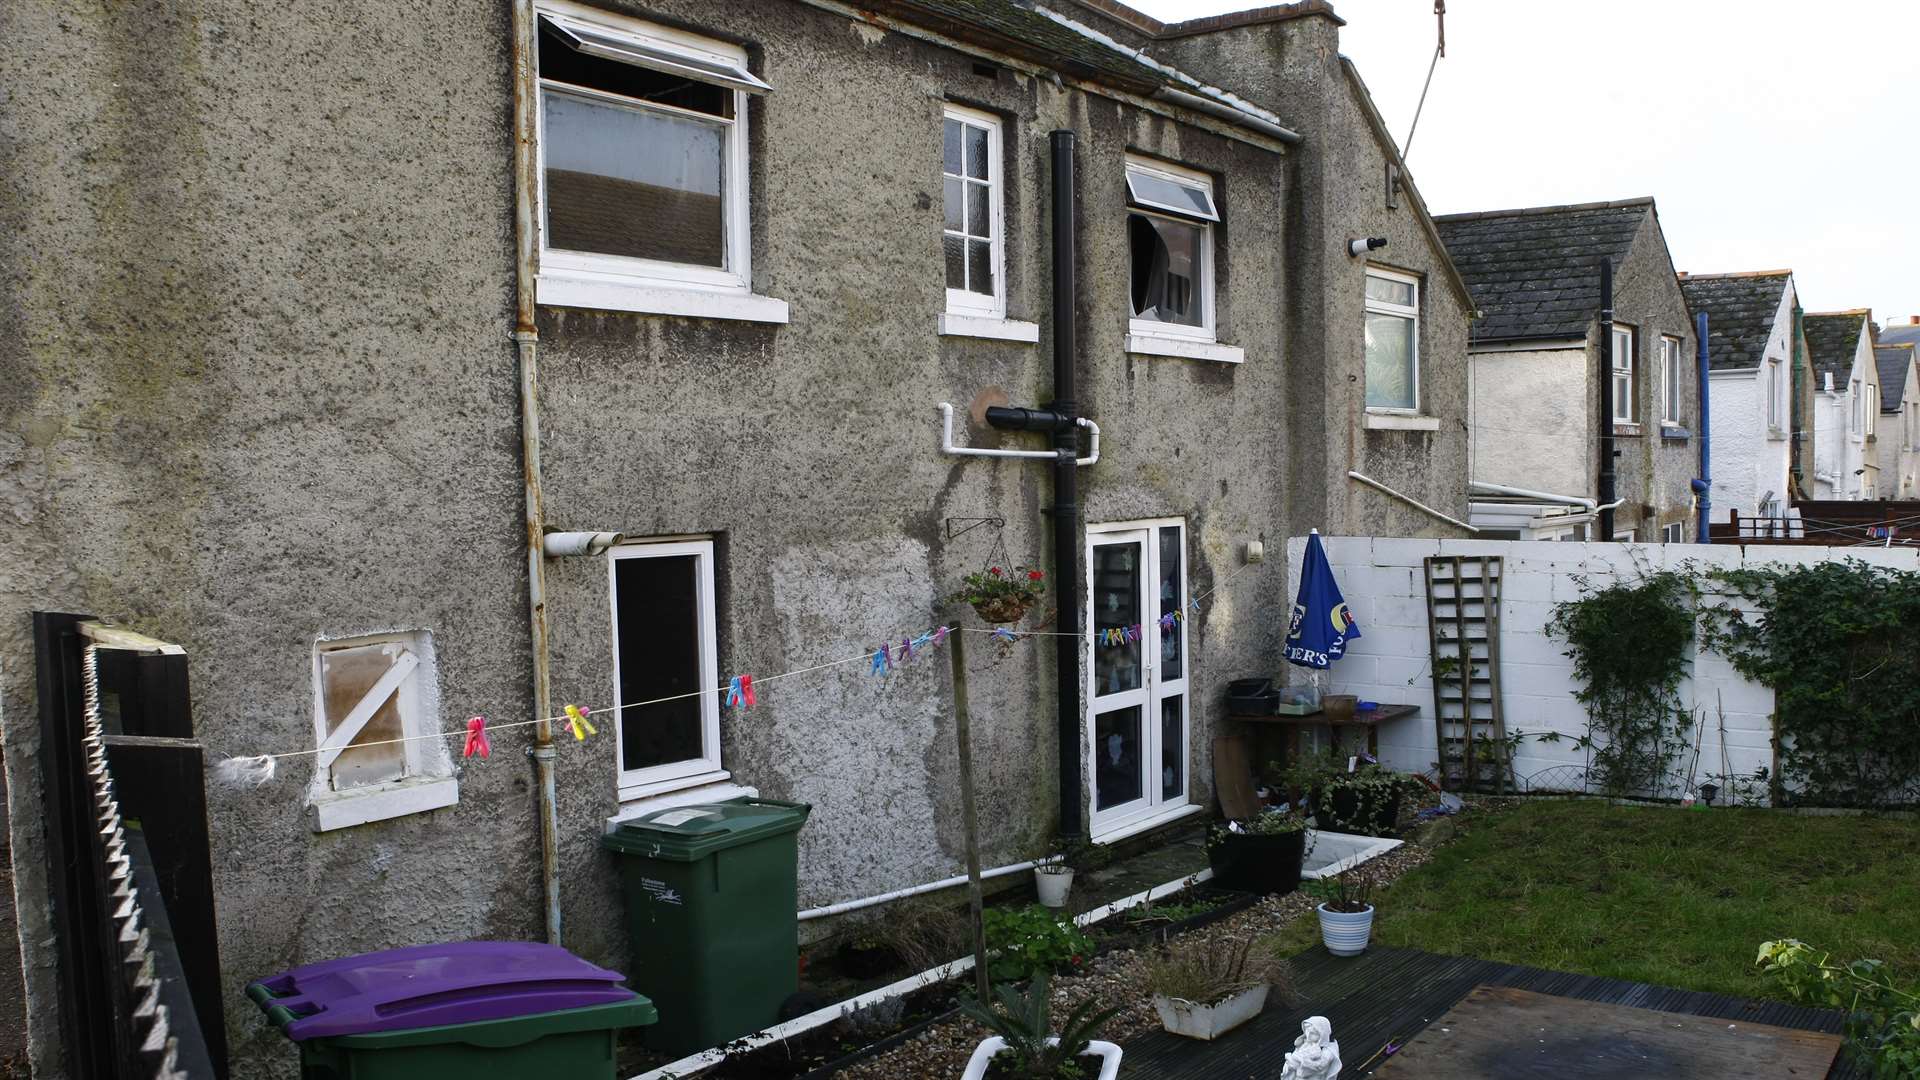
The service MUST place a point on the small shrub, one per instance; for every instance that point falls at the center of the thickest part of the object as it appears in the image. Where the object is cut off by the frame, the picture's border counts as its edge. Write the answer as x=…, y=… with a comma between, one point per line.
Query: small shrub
x=1024, y=942
x=1026, y=1020
x=1883, y=1017
x=1208, y=971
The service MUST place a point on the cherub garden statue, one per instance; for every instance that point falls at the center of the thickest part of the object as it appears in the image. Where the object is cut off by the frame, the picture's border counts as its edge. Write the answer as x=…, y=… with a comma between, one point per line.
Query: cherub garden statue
x=1315, y=1054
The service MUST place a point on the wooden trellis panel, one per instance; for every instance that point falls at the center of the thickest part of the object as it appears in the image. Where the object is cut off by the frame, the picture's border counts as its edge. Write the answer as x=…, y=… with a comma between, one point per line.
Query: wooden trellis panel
x=1463, y=631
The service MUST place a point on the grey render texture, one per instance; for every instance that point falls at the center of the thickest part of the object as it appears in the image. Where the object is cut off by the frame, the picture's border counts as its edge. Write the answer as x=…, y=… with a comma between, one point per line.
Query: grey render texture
x=256, y=294
x=1535, y=276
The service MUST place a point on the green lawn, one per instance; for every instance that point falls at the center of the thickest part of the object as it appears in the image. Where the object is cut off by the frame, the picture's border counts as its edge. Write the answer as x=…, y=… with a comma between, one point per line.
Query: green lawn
x=1662, y=895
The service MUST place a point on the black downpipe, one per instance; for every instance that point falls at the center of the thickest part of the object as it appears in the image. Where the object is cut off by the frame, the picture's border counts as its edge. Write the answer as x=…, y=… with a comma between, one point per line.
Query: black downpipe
x=1066, y=505
x=1606, y=401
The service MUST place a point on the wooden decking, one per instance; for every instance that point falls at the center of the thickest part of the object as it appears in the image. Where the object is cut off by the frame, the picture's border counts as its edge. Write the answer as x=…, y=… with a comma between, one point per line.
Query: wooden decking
x=1393, y=994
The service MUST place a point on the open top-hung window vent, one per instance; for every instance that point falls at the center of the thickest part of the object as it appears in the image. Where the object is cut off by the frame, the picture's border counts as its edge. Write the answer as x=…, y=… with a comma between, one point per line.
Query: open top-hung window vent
x=654, y=54
x=1153, y=189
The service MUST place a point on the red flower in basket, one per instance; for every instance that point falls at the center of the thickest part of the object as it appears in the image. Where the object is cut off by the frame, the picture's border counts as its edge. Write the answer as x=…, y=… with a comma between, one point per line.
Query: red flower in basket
x=994, y=570
x=1034, y=575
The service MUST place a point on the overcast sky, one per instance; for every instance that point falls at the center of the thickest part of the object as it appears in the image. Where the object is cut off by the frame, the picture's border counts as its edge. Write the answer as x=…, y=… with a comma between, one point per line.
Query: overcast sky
x=1772, y=133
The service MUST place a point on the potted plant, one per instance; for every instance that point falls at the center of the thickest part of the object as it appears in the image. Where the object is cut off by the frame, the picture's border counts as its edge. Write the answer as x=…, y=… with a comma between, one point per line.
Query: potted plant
x=1364, y=800
x=1204, y=988
x=1346, y=911
x=1054, y=878
x=1000, y=595
x=1022, y=1046
x=1262, y=854
x=1025, y=941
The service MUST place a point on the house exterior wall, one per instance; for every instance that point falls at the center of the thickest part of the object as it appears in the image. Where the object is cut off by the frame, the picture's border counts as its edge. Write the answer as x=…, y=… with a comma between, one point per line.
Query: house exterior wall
x=1847, y=461
x=1338, y=181
x=1899, y=459
x=1656, y=465
x=261, y=391
x=1751, y=457
x=1531, y=411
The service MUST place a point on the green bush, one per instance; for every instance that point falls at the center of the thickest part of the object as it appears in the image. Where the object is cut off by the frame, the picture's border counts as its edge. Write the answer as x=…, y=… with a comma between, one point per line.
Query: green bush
x=1883, y=1018
x=1022, y=942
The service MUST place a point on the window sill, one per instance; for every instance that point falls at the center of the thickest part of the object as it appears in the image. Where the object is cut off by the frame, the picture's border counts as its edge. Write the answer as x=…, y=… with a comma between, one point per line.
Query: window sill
x=328, y=810
x=703, y=791
x=1135, y=827
x=986, y=326
x=1675, y=432
x=631, y=791
x=560, y=290
x=1184, y=348
x=1383, y=421
x=1625, y=429
x=1776, y=435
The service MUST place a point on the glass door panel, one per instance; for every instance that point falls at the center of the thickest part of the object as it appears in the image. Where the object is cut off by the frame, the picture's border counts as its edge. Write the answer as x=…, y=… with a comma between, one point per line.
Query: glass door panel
x=1172, y=589
x=1117, y=572
x=1173, y=748
x=1117, y=758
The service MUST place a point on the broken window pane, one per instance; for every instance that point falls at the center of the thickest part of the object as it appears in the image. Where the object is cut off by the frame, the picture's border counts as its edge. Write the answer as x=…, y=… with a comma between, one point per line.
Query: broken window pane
x=1167, y=269
x=347, y=676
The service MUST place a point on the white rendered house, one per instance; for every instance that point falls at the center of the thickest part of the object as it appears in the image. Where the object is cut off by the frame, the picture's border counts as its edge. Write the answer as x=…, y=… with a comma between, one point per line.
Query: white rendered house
x=1898, y=436
x=1846, y=403
x=1750, y=360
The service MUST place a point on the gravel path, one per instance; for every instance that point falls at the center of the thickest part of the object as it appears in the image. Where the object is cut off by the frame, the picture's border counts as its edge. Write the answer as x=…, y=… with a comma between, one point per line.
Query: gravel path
x=1120, y=977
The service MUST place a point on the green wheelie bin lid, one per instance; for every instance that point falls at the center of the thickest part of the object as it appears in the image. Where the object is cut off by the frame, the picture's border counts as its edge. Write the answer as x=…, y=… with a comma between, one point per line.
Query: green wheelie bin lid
x=691, y=833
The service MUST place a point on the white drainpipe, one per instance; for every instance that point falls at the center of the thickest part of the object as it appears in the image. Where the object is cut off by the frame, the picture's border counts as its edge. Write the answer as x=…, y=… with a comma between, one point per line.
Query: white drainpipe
x=1523, y=493
x=947, y=446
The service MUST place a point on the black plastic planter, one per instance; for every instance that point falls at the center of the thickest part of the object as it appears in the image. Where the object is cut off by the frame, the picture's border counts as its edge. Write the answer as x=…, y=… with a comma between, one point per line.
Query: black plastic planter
x=1258, y=863
x=1345, y=809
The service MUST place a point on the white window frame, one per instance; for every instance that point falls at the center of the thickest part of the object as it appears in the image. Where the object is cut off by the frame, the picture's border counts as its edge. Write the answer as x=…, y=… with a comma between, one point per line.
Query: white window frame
x=426, y=781
x=961, y=301
x=1189, y=178
x=1152, y=808
x=1671, y=389
x=1673, y=533
x=1619, y=367
x=1624, y=536
x=1776, y=395
x=1411, y=314
x=1872, y=407
x=1856, y=426
x=705, y=769
x=593, y=280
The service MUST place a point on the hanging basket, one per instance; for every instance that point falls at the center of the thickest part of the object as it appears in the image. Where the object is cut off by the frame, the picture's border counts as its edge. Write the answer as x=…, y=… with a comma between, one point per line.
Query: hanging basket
x=1003, y=609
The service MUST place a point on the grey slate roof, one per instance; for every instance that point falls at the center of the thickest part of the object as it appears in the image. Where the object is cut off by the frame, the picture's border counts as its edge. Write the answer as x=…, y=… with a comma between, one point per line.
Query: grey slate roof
x=1902, y=334
x=1740, y=309
x=1535, y=272
x=1832, y=338
x=1892, y=362
x=1029, y=35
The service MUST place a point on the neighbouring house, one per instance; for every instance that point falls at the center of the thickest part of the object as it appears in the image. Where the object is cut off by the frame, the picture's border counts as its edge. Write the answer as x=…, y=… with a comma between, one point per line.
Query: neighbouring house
x=1902, y=331
x=1898, y=435
x=1846, y=403
x=1751, y=360
x=308, y=333
x=1538, y=358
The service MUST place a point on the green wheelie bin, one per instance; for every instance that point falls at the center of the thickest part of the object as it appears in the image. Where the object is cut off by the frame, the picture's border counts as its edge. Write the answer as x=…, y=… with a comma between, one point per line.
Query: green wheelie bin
x=711, y=917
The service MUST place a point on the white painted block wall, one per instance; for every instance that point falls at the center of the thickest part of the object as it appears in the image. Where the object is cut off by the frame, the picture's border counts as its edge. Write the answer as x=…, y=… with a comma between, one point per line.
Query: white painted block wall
x=1382, y=580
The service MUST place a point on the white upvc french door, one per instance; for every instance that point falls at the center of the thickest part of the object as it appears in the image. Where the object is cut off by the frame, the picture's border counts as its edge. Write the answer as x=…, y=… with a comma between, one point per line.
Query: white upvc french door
x=1137, y=674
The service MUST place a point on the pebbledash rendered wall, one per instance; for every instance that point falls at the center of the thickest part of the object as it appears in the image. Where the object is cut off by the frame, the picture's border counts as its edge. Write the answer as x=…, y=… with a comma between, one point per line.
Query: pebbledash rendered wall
x=1382, y=580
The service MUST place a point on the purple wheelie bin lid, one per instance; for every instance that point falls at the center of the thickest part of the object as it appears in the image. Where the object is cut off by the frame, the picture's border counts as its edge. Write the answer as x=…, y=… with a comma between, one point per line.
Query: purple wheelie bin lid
x=431, y=985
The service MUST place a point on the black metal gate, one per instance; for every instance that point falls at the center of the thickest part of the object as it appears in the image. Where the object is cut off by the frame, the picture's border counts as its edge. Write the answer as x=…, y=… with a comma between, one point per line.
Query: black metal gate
x=127, y=842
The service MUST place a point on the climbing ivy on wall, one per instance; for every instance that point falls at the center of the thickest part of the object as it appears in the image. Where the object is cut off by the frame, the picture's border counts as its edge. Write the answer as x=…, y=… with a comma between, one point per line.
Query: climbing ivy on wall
x=1839, y=642
x=1629, y=645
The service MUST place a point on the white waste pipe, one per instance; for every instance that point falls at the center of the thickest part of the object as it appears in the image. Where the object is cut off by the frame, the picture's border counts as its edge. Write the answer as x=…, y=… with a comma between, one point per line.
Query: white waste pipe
x=1411, y=501
x=559, y=545
x=845, y=906
x=1524, y=493
x=947, y=446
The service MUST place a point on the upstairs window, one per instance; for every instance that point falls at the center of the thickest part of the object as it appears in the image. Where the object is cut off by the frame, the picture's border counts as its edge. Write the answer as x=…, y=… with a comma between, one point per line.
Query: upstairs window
x=1776, y=395
x=1170, y=220
x=1393, y=341
x=1670, y=384
x=1872, y=406
x=972, y=238
x=643, y=151
x=1857, y=423
x=1623, y=374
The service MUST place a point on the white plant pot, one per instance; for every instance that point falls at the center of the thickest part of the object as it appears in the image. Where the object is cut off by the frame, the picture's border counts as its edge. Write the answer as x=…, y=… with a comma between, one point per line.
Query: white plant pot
x=1106, y=1053
x=1197, y=1021
x=1346, y=932
x=1052, y=885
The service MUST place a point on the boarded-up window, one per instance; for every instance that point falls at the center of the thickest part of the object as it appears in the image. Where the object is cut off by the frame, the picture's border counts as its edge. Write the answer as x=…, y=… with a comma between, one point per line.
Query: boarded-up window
x=369, y=700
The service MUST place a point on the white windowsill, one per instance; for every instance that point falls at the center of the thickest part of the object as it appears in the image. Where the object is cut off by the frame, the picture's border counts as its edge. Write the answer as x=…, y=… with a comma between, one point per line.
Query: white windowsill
x=1383, y=421
x=328, y=810
x=987, y=326
x=561, y=290
x=1135, y=828
x=1184, y=348
x=708, y=792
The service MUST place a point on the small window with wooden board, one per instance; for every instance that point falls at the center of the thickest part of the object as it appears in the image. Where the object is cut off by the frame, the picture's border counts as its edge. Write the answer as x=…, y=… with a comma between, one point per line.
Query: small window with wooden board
x=375, y=721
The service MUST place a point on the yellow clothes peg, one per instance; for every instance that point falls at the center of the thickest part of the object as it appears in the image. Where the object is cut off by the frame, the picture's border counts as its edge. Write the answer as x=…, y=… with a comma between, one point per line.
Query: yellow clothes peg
x=577, y=720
